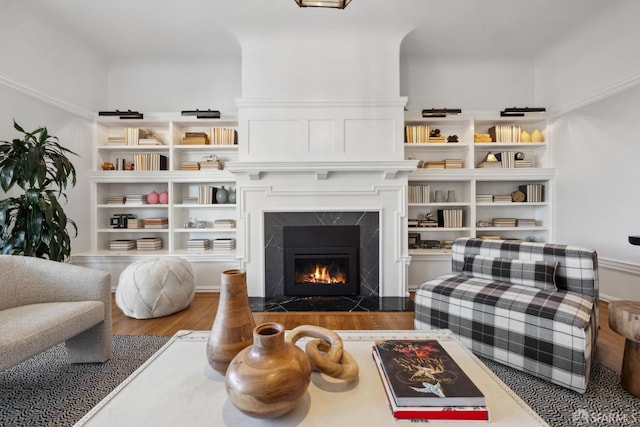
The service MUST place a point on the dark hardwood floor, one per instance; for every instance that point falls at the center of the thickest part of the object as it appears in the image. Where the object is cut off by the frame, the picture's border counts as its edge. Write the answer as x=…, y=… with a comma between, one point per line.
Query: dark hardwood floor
x=199, y=316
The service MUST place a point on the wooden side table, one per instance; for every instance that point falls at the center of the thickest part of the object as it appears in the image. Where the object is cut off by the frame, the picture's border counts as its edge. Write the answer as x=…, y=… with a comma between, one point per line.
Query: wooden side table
x=624, y=318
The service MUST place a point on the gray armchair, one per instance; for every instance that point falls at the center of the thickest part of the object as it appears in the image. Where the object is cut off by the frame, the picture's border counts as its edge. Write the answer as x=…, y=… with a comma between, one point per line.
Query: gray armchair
x=44, y=303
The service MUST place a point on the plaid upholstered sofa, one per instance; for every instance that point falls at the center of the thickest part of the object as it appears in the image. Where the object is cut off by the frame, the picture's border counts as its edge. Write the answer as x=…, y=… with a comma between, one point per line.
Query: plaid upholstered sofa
x=531, y=306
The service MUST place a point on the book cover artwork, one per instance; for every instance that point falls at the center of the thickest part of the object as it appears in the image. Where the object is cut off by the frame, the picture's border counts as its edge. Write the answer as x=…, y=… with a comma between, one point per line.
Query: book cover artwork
x=423, y=373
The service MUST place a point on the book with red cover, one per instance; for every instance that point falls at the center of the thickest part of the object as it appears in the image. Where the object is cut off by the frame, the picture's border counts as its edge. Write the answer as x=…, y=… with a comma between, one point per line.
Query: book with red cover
x=429, y=413
x=422, y=373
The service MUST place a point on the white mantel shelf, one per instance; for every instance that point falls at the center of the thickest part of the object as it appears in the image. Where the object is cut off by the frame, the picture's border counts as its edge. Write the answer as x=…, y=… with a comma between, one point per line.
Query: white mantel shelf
x=322, y=170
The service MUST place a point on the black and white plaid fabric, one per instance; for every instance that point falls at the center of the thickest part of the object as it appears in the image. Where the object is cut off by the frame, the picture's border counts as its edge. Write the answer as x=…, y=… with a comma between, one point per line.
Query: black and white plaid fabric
x=550, y=334
x=539, y=274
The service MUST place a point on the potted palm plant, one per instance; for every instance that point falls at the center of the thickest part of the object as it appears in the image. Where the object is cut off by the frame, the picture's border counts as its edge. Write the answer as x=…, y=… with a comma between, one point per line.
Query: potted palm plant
x=34, y=223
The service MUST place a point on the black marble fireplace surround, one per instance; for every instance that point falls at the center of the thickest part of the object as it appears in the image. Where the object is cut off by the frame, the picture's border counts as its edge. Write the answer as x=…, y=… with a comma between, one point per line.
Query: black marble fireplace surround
x=369, y=297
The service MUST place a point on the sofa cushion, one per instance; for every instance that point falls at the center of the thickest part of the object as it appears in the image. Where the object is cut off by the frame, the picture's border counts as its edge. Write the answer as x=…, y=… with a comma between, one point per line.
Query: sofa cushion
x=29, y=329
x=539, y=274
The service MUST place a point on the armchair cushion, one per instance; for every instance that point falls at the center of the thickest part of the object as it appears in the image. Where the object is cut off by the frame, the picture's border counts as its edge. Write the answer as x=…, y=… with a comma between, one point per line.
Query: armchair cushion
x=538, y=274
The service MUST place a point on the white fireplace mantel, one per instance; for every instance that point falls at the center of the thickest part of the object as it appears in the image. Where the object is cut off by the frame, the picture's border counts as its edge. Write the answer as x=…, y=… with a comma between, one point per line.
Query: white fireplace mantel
x=322, y=170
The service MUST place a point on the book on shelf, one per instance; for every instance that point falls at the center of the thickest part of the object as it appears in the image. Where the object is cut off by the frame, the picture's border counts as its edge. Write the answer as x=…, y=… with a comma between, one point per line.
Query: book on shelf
x=505, y=133
x=419, y=193
x=135, y=199
x=223, y=136
x=135, y=223
x=156, y=222
x=195, y=138
x=149, y=243
x=533, y=192
x=416, y=134
x=150, y=162
x=189, y=166
x=224, y=223
x=122, y=245
x=504, y=222
x=224, y=244
x=422, y=374
x=197, y=244
x=449, y=218
x=502, y=198
x=453, y=163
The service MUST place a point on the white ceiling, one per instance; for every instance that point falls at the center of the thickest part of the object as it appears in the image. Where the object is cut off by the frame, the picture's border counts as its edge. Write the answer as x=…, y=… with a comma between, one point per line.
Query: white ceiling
x=124, y=29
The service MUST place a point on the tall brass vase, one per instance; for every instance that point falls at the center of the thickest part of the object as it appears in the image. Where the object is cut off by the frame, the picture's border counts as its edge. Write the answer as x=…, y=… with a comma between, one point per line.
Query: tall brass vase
x=233, y=325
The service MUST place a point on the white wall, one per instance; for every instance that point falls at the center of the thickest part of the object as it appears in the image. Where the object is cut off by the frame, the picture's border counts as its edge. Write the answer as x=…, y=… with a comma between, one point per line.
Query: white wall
x=73, y=132
x=468, y=83
x=49, y=60
x=601, y=55
x=165, y=86
x=596, y=151
x=362, y=65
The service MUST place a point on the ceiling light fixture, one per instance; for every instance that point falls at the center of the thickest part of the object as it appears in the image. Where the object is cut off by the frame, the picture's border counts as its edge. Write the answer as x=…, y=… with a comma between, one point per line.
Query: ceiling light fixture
x=440, y=112
x=520, y=111
x=333, y=4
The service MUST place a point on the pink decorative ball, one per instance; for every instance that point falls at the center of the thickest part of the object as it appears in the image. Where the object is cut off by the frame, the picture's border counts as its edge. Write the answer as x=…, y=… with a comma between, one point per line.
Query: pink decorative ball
x=152, y=197
x=164, y=197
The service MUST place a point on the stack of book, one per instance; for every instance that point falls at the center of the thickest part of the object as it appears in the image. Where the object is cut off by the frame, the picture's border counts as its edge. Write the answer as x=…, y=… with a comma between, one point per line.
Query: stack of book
x=197, y=244
x=149, y=243
x=116, y=140
x=523, y=163
x=135, y=223
x=122, y=245
x=437, y=138
x=481, y=137
x=423, y=382
x=502, y=198
x=419, y=193
x=533, y=192
x=189, y=200
x=195, y=138
x=224, y=244
x=135, y=199
x=189, y=166
x=453, y=163
x=223, y=136
x=484, y=198
x=435, y=164
x=156, y=223
x=227, y=224
x=526, y=222
x=416, y=134
x=211, y=164
x=116, y=200
x=504, y=222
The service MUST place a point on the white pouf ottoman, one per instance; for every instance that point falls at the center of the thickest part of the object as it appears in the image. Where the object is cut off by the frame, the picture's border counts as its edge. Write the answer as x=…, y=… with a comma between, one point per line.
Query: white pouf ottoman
x=155, y=288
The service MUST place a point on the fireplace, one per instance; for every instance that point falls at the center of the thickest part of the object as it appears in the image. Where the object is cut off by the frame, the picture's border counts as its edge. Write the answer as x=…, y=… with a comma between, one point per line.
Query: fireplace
x=321, y=260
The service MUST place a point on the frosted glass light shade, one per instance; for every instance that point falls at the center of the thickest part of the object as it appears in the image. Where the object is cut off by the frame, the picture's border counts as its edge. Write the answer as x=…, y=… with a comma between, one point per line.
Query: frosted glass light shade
x=336, y=4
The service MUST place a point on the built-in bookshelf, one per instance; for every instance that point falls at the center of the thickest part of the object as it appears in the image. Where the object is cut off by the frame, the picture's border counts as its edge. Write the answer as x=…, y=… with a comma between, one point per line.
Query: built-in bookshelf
x=146, y=190
x=500, y=189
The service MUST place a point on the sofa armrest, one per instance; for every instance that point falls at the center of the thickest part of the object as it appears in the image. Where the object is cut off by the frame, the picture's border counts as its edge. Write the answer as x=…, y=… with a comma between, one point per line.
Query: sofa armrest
x=27, y=280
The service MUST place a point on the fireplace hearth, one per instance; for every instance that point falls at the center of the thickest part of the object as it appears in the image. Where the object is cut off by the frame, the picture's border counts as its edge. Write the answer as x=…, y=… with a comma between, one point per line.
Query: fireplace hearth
x=321, y=260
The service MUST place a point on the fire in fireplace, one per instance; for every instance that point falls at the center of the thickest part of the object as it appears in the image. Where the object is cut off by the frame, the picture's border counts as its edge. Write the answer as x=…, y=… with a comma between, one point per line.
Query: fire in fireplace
x=321, y=260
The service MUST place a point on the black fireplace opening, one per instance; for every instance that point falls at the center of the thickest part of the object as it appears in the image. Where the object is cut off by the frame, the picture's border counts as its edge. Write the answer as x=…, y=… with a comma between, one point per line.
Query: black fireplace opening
x=321, y=260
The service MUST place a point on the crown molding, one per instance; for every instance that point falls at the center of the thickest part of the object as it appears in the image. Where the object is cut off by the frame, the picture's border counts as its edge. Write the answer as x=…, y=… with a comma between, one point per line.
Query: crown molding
x=599, y=95
x=39, y=95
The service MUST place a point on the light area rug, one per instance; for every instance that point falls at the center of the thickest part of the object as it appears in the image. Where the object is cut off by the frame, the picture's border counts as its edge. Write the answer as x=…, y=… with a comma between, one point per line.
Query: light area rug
x=46, y=391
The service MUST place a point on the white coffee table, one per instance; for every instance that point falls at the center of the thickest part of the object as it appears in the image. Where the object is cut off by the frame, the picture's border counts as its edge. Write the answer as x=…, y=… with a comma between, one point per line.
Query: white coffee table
x=176, y=387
